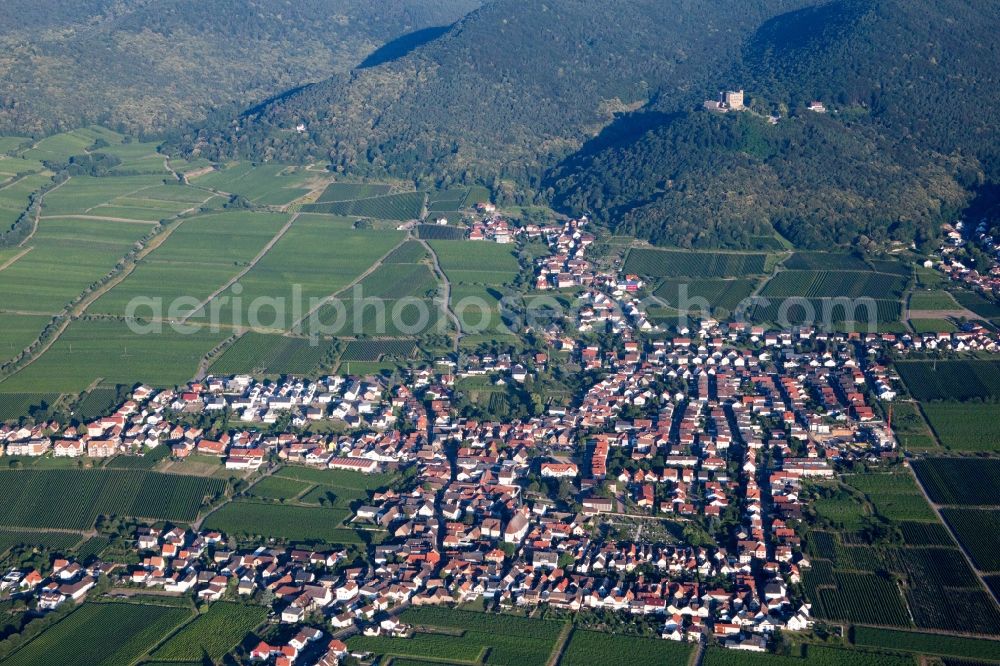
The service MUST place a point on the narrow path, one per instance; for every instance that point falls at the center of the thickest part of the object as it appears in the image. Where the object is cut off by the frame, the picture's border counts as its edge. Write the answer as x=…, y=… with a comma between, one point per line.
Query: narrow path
x=561, y=642
x=447, y=293
x=297, y=325
x=699, y=654
x=102, y=218
x=15, y=257
x=954, y=537
x=38, y=212
x=247, y=269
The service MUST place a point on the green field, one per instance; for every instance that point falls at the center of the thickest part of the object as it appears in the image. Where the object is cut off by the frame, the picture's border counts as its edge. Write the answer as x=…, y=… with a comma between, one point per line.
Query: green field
x=933, y=326
x=58, y=541
x=18, y=332
x=929, y=644
x=16, y=405
x=959, y=380
x=591, y=647
x=66, y=257
x=98, y=402
x=815, y=655
x=347, y=191
x=825, y=261
x=834, y=284
x=105, y=634
x=798, y=310
x=475, y=262
x=964, y=426
x=676, y=263
x=201, y=255
x=263, y=184
x=14, y=197
x=979, y=532
x=910, y=428
x=864, y=598
x=107, y=349
x=895, y=496
x=278, y=488
x=258, y=353
x=213, y=634
x=74, y=498
x=439, y=232
x=403, y=206
x=336, y=477
x=468, y=637
x=410, y=252
x=376, y=350
x=982, y=307
x=922, y=299
x=285, y=521
x=81, y=195
x=725, y=294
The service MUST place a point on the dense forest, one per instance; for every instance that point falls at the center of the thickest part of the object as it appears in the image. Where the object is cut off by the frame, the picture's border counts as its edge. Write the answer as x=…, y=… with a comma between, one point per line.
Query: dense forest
x=596, y=107
x=148, y=65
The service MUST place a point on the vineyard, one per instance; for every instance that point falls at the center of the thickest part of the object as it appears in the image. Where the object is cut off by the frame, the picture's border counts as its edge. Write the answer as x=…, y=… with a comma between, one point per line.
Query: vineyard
x=440, y=232
x=973, y=301
x=58, y=541
x=410, y=252
x=895, y=496
x=930, y=644
x=815, y=655
x=468, y=636
x=73, y=499
x=404, y=206
x=213, y=634
x=951, y=380
x=16, y=405
x=285, y=521
x=348, y=191
x=964, y=426
x=591, y=647
x=825, y=261
x=98, y=402
x=979, y=532
x=924, y=534
x=677, y=263
x=726, y=294
x=271, y=354
x=376, y=350
x=827, y=310
x=835, y=284
x=109, y=634
x=960, y=481
x=865, y=598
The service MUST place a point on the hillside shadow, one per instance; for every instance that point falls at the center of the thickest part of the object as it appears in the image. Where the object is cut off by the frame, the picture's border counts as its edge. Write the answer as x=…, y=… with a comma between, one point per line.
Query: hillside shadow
x=402, y=46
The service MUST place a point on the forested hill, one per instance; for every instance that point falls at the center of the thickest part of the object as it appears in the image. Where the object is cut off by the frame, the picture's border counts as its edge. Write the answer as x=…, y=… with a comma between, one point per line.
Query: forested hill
x=147, y=65
x=510, y=87
x=912, y=90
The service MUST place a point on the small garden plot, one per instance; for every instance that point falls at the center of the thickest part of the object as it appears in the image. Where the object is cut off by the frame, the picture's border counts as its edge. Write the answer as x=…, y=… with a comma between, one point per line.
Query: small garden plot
x=675, y=263
x=964, y=426
x=213, y=634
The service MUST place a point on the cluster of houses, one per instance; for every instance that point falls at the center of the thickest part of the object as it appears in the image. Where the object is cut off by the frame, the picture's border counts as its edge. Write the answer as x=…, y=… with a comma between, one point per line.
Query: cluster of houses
x=566, y=265
x=985, y=281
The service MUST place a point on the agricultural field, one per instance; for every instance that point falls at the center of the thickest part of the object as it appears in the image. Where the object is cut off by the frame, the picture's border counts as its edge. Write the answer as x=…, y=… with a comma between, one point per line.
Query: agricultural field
x=201, y=255
x=440, y=232
x=677, y=263
x=959, y=380
x=476, y=263
x=978, y=530
x=928, y=644
x=410, y=252
x=14, y=197
x=82, y=195
x=964, y=426
x=57, y=541
x=976, y=303
x=592, y=647
x=18, y=332
x=720, y=294
x=468, y=636
x=259, y=353
x=825, y=261
x=478, y=308
x=960, y=481
x=864, y=598
x=106, y=634
x=376, y=350
x=348, y=191
x=883, y=314
x=336, y=478
x=835, y=284
x=278, y=488
x=403, y=206
x=895, y=496
x=98, y=402
x=910, y=428
x=289, y=522
x=932, y=300
x=74, y=498
x=933, y=326
x=66, y=257
x=812, y=655
x=925, y=534
x=16, y=405
x=107, y=349
x=214, y=633
x=312, y=260
x=262, y=184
